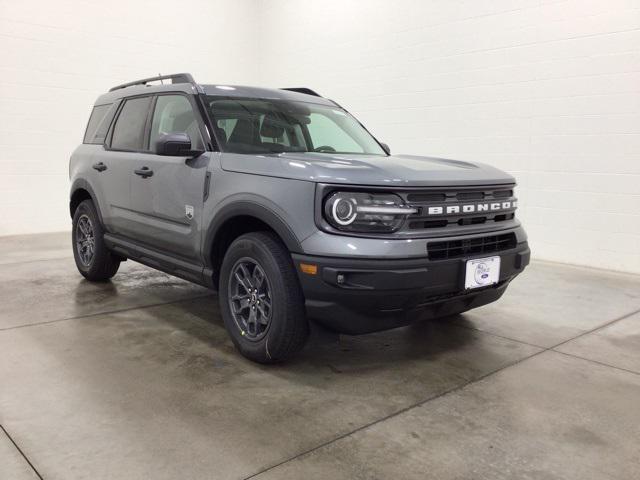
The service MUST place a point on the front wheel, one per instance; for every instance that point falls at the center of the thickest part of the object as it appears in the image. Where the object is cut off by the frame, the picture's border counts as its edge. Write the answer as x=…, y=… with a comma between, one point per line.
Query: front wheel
x=93, y=259
x=261, y=300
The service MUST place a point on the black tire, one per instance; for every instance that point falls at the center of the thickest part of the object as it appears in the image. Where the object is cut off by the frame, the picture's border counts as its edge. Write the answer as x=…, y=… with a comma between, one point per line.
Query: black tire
x=287, y=329
x=102, y=264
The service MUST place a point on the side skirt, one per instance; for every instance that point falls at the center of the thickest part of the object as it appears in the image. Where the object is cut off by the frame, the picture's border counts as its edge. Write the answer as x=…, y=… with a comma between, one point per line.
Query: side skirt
x=160, y=261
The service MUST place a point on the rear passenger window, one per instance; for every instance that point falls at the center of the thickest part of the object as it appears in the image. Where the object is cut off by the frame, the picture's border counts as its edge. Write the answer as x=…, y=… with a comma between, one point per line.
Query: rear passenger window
x=98, y=125
x=128, y=132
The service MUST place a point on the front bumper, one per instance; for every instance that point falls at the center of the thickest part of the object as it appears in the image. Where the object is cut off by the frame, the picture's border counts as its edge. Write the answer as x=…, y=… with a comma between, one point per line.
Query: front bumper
x=354, y=296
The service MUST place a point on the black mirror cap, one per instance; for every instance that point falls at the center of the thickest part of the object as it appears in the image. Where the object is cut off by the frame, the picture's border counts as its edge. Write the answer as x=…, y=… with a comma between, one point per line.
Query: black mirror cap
x=175, y=145
x=386, y=148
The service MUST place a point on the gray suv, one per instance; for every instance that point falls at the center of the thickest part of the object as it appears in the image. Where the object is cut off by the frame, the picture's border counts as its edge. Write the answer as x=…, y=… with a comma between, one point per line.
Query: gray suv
x=287, y=206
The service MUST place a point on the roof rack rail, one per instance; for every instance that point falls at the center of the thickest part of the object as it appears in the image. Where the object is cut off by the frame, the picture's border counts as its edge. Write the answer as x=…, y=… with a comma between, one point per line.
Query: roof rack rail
x=175, y=78
x=304, y=90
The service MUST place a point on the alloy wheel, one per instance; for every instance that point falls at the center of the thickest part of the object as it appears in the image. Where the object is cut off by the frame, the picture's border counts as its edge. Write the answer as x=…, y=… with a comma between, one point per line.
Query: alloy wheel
x=249, y=297
x=85, y=240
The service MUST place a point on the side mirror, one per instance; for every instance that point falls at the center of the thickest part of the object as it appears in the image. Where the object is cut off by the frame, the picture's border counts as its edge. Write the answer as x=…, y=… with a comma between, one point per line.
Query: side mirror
x=176, y=145
x=386, y=148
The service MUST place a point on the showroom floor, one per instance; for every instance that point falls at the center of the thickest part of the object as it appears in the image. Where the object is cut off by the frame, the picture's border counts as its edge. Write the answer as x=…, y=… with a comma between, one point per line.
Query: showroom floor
x=137, y=379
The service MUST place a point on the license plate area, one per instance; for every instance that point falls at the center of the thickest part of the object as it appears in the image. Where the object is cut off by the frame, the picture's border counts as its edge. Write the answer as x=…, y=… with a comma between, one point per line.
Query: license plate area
x=482, y=272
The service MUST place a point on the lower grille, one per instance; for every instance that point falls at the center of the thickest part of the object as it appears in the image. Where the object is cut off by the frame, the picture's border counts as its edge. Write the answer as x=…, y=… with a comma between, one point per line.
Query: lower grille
x=472, y=246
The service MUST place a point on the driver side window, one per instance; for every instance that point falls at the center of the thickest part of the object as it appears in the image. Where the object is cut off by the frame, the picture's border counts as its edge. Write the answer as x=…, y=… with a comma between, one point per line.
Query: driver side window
x=173, y=114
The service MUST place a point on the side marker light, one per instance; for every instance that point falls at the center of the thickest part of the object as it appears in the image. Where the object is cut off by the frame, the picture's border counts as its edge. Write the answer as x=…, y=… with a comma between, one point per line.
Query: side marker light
x=309, y=268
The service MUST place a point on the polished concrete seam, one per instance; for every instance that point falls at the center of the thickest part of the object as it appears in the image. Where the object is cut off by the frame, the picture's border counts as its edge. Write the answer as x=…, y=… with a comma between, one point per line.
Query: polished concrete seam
x=497, y=335
x=587, y=332
x=553, y=348
x=21, y=452
x=597, y=362
x=395, y=414
x=89, y=315
x=585, y=267
x=446, y=392
x=36, y=260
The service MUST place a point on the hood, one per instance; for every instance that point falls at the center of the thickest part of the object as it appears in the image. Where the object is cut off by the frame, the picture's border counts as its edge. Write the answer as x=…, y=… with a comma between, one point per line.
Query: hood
x=377, y=170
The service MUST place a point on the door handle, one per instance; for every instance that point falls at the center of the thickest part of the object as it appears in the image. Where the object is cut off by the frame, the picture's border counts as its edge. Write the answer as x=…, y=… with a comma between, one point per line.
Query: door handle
x=144, y=172
x=101, y=167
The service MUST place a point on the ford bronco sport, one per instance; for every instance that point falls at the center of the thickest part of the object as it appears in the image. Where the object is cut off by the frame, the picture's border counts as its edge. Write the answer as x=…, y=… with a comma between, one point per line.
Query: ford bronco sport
x=287, y=206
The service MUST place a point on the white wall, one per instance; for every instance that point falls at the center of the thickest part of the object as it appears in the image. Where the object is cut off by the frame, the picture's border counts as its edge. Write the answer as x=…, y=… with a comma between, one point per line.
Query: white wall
x=56, y=57
x=548, y=90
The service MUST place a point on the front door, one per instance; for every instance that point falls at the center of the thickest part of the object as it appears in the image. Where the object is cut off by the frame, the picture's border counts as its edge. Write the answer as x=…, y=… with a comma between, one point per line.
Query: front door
x=167, y=192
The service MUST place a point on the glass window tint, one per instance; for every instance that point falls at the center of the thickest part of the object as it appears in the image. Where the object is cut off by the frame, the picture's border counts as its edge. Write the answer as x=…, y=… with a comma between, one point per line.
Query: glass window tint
x=325, y=132
x=96, y=118
x=273, y=130
x=224, y=128
x=174, y=114
x=103, y=128
x=276, y=126
x=128, y=132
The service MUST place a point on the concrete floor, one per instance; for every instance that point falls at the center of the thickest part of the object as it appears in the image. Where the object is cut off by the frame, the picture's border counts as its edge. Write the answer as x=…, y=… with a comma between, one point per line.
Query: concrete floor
x=137, y=379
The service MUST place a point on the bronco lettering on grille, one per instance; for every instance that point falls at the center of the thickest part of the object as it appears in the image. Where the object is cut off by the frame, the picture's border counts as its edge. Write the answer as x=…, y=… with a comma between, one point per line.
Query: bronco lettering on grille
x=471, y=208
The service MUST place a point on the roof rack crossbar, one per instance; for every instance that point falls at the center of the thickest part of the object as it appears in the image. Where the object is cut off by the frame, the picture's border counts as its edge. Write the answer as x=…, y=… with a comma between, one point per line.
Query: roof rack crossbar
x=175, y=78
x=304, y=90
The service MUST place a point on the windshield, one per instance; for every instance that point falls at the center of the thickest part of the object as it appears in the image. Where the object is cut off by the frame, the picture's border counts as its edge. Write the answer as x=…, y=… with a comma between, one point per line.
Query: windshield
x=276, y=126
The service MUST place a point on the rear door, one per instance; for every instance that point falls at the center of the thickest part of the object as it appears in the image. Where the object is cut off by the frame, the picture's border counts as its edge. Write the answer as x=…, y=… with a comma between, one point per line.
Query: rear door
x=115, y=163
x=167, y=193
x=98, y=174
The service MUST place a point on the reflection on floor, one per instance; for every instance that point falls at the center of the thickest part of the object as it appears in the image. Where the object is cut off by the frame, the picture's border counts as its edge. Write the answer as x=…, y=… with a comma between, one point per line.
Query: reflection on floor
x=136, y=378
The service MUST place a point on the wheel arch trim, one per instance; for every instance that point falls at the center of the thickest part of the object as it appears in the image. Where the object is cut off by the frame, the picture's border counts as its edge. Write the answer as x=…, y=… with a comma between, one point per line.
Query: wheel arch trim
x=82, y=184
x=250, y=208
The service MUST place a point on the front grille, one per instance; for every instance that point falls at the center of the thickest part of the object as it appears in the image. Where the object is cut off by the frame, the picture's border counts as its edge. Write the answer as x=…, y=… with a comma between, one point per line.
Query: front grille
x=472, y=246
x=459, y=208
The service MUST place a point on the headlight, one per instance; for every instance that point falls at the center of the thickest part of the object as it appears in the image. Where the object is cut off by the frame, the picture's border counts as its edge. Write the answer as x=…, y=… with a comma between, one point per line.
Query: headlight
x=366, y=212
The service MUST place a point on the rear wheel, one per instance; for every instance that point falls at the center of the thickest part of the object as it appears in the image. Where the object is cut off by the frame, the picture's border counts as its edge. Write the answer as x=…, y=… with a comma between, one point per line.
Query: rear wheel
x=261, y=300
x=94, y=261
